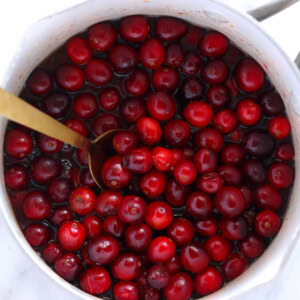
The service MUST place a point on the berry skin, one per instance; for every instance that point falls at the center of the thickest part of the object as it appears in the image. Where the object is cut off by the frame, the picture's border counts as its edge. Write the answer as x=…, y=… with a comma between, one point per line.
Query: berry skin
x=161, y=250
x=162, y=158
x=102, y=36
x=82, y=201
x=198, y=114
x=267, y=223
x=208, y=281
x=248, y=112
x=280, y=175
x=153, y=183
x=134, y=29
x=68, y=266
x=213, y=44
x=279, y=128
x=149, y=131
x=169, y=29
x=185, y=172
x=152, y=53
x=234, y=266
x=126, y=290
x=78, y=50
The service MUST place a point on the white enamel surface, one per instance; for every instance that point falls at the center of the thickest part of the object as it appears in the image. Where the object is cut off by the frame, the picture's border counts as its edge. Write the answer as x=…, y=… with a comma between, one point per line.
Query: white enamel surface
x=33, y=43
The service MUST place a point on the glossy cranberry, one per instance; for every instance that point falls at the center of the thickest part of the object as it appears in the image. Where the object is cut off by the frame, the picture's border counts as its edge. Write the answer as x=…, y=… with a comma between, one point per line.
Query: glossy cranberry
x=231, y=174
x=138, y=160
x=137, y=82
x=148, y=131
x=249, y=112
x=78, y=50
x=266, y=197
x=198, y=114
x=199, y=204
x=102, y=249
x=134, y=29
x=69, y=77
x=60, y=189
x=162, y=158
x=36, y=206
x=209, y=138
x=92, y=225
x=225, y=120
x=132, y=109
x=170, y=29
x=236, y=135
x=176, y=133
x=104, y=123
x=86, y=261
x=18, y=143
x=114, y=175
x=109, y=99
x=52, y=252
x=191, y=64
x=165, y=79
x=210, y=183
x=159, y=215
x=179, y=287
x=207, y=226
x=48, y=144
x=102, y=36
x=82, y=200
x=45, y=169
x=126, y=290
x=56, y=104
x=86, y=178
x=152, y=53
x=255, y=171
x=232, y=154
x=205, y=160
x=285, y=152
x=280, y=175
x=215, y=71
x=208, y=281
x=68, y=266
x=193, y=36
x=39, y=82
x=16, y=177
x=234, y=266
x=153, y=183
x=37, y=234
x=150, y=293
x=114, y=227
x=95, y=280
x=158, y=276
x=218, y=247
x=213, y=44
x=61, y=214
x=234, y=228
x=218, y=96
x=194, y=258
x=247, y=193
x=267, y=223
x=191, y=89
x=131, y=209
x=85, y=106
x=138, y=237
x=107, y=203
x=279, y=128
x=181, y=231
x=249, y=75
x=252, y=246
x=175, y=193
x=185, y=172
x=78, y=126
x=98, y=72
x=174, y=56
x=271, y=104
x=161, y=250
x=71, y=235
x=174, y=265
x=124, y=141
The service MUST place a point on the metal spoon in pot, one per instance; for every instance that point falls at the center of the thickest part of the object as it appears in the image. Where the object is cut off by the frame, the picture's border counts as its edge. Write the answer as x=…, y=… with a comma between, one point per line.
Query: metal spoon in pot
x=19, y=111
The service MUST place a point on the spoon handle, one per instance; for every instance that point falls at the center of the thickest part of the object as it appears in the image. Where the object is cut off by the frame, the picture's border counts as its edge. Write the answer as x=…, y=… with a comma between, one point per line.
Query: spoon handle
x=19, y=111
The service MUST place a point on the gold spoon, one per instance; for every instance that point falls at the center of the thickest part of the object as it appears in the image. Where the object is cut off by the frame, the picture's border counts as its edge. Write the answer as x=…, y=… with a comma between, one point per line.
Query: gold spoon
x=19, y=111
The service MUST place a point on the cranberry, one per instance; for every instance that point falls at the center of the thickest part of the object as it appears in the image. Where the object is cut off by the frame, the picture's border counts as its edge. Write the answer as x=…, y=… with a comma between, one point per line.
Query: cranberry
x=198, y=204
x=45, y=169
x=174, y=56
x=174, y=265
x=252, y=246
x=126, y=290
x=131, y=209
x=40, y=82
x=18, y=143
x=165, y=79
x=213, y=44
x=176, y=194
x=231, y=174
x=236, y=135
x=207, y=226
x=37, y=234
x=234, y=266
x=61, y=214
x=193, y=36
x=114, y=175
x=114, y=227
x=109, y=99
x=161, y=250
x=132, y=109
x=158, y=276
x=185, y=172
x=69, y=77
x=279, y=128
x=210, y=183
x=205, y=160
x=107, y=203
x=104, y=123
x=266, y=197
x=137, y=83
x=138, y=237
x=86, y=178
x=36, y=206
x=191, y=89
x=267, y=223
x=16, y=177
x=232, y=154
x=208, y=281
x=56, y=104
x=218, y=96
x=93, y=226
x=249, y=75
x=138, y=160
x=95, y=280
x=153, y=183
x=191, y=64
x=170, y=29
x=98, y=72
x=85, y=106
x=176, y=133
x=179, y=287
x=124, y=141
x=208, y=137
x=71, y=235
x=152, y=53
x=52, y=252
x=215, y=71
x=225, y=120
x=218, y=247
x=271, y=104
x=198, y=114
x=247, y=193
x=48, y=144
x=60, y=189
x=285, y=152
x=102, y=36
x=280, y=175
x=134, y=29
x=194, y=258
x=255, y=171
x=162, y=158
x=159, y=215
x=234, y=228
x=68, y=266
x=181, y=231
x=188, y=153
x=248, y=112
x=148, y=131
x=82, y=200
x=78, y=50
x=78, y=126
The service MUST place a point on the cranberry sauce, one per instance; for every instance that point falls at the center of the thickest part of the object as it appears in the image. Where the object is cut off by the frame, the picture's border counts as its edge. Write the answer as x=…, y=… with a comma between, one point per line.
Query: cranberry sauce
x=199, y=179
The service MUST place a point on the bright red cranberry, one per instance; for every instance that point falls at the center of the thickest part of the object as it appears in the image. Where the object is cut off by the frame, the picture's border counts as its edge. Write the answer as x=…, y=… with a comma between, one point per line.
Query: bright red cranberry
x=107, y=203
x=176, y=133
x=134, y=29
x=205, y=160
x=174, y=265
x=102, y=36
x=285, y=152
x=159, y=215
x=56, y=104
x=85, y=106
x=95, y=280
x=114, y=227
x=170, y=29
x=18, y=143
x=225, y=120
x=218, y=247
x=158, y=276
x=153, y=183
x=191, y=89
x=165, y=79
x=60, y=189
x=162, y=158
x=247, y=193
x=194, y=258
x=109, y=99
x=138, y=160
x=126, y=267
x=234, y=266
x=179, y=287
x=232, y=154
x=37, y=234
x=174, y=56
x=266, y=197
x=48, y=144
x=126, y=290
x=68, y=266
x=93, y=226
x=16, y=177
x=199, y=205
x=193, y=36
x=61, y=214
x=71, y=235
x=98, y=72
x=176, y=194
x=280, y=175
x=191, y=64
x=215, y=71
x=208, y=281
x=138, y=237
x=39, y=82
x=181, y=231
x=148, y=131
x=114, y=175
x=78, y=126
x=209, y=138
x=267, y=223
x=198, y=114
x=82, y=201
x=185, y=172
x=249, y=75
x=231, y=174
x=207, y=226
x=36, y=206
x=249, y=112
x=210, y=183
x=131, y=209
x=213, y=44
x=279, y=127
x=255, y=171
x=234, y=228
x=137, y=83
x=86, y=178
x=161, y=250
x=78, y=50
x=252, y=246
x=152, y=53
x=52, y=252
x=45, y=169
x=69, y=77
x=132, y=109
x=218, y=96
x=125, y=141
x=271, y=104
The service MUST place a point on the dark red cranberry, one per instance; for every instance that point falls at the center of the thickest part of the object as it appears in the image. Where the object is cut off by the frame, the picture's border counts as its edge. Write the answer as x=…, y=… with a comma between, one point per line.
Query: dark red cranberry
x=18, y=143
x=137, y=83
x=86, y=178
x=233, y=55
x=209, y=138
x=78, y=50
x=266, y=197
x=68, y=266
x=207, y=226
x=205, y=160
x=134, y=29
x=218, y=96
x=61, y=214
x=158, y=276
x=71, y=235
x=98, y=72
x=249, y=75
x=191, y=89
x=191, y=64
x=161, y=250
x=231, y=174
x=188, y=153
x=234, y=266
x=165, y=79
x=174, y=56
x=174, y=265
x=102, y=36
x=36, y=206
x=225, y=120
x=210, y=183
x=271, y=104
x=162, y=158
x=138, y=237
x=152, y=53
x=199, y=205
x=125, y=141
x=107, y=203
x=148, y=131
x=159, y=215
x=93, y=226
x=114, y=227
x=60, y=189
x=254, y=171
x=252, y=246
x=247, y=193
x=236, y=135
x=150, y=293
x=198, y=114
x=74, y=175
x=78, y=126
x=249, y=112
x=16, y=177
x=218, y=247
x=176, y=133
x=132, y=109
x=249, y=215
x=234, y=228
x=85, y=106
x=153, y=183
x=170, y=29
x=45, y=169
x=185, y=172
x=193, y=36
x=124, y=290
x=215, y=71
x=232, y=154
x=52, y=252
x=48, y=144
x=69, y=77
x=181, y=231
x=213, y=44
x=208, y=281
x=176, y=194
x=56, y=104
x=82, y=200
x=285, y=152
x=280, y=175
x=279, y=128
x=37, y=234
x=40, y=82
x=109, y=99
x=267, y=223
